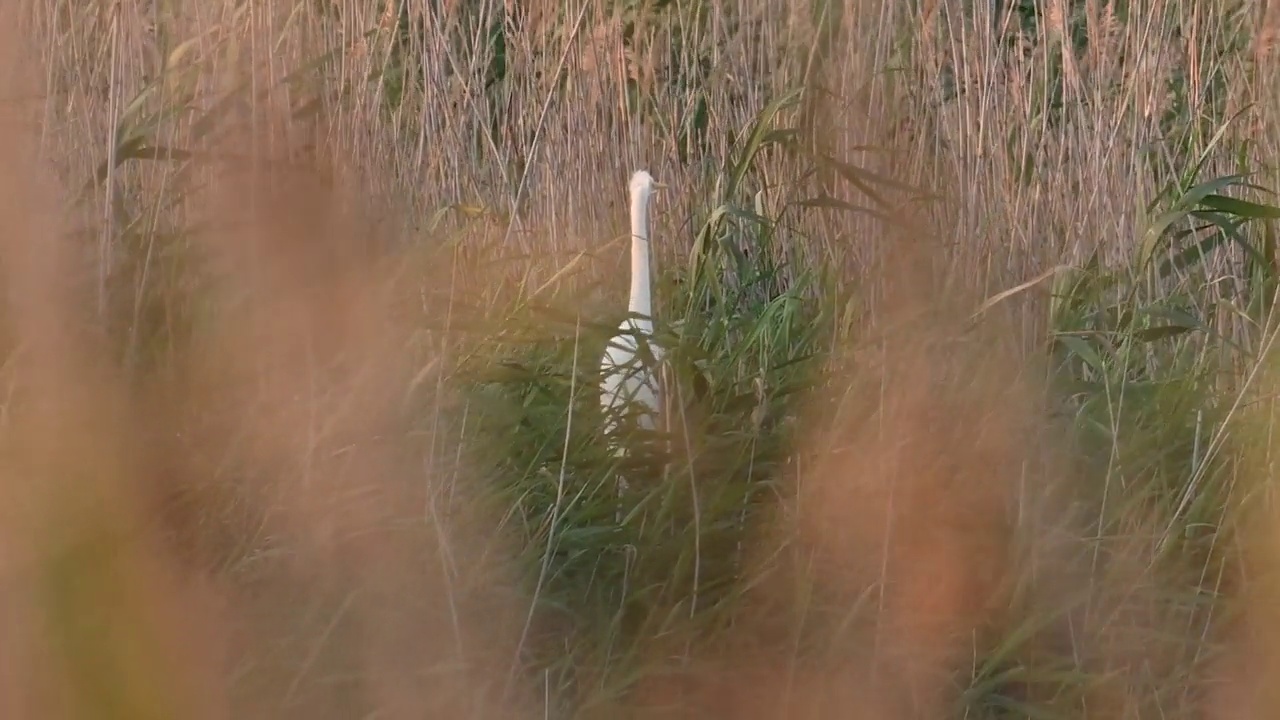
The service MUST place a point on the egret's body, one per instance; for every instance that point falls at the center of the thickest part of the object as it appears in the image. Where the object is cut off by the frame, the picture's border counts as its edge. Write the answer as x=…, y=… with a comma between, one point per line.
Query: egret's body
x=630, y=380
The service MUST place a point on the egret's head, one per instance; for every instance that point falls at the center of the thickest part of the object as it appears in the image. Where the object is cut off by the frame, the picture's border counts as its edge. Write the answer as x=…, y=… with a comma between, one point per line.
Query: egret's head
x=643, y=184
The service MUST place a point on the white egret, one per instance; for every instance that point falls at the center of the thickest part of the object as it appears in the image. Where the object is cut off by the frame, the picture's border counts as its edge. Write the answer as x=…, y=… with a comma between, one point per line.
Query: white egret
x=628, y=382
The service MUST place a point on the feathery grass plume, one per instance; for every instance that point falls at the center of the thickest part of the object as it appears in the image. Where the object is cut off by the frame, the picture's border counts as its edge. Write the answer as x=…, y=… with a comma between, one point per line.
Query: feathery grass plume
x=96, y=608
x=933, y=551
x=1247, y=652
x=303, y=370
x=898, y=532
x=285, y=406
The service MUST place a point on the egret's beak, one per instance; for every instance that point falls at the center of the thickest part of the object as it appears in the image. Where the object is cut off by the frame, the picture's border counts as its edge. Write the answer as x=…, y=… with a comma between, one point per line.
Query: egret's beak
x=660, y=186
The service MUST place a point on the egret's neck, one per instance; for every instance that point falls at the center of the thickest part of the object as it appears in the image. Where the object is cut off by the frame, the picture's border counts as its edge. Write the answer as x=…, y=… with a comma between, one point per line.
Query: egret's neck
x=640, y=282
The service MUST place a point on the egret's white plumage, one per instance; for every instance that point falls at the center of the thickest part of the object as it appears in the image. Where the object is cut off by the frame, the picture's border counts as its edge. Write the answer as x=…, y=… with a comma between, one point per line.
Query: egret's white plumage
x=629, y=381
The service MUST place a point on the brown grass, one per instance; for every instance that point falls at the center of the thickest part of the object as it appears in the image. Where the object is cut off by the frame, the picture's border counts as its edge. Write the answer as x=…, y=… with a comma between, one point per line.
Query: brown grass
x=940, y=512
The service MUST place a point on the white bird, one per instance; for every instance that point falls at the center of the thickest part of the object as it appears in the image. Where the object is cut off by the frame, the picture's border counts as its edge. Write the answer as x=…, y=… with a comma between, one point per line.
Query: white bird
x=627, y=381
